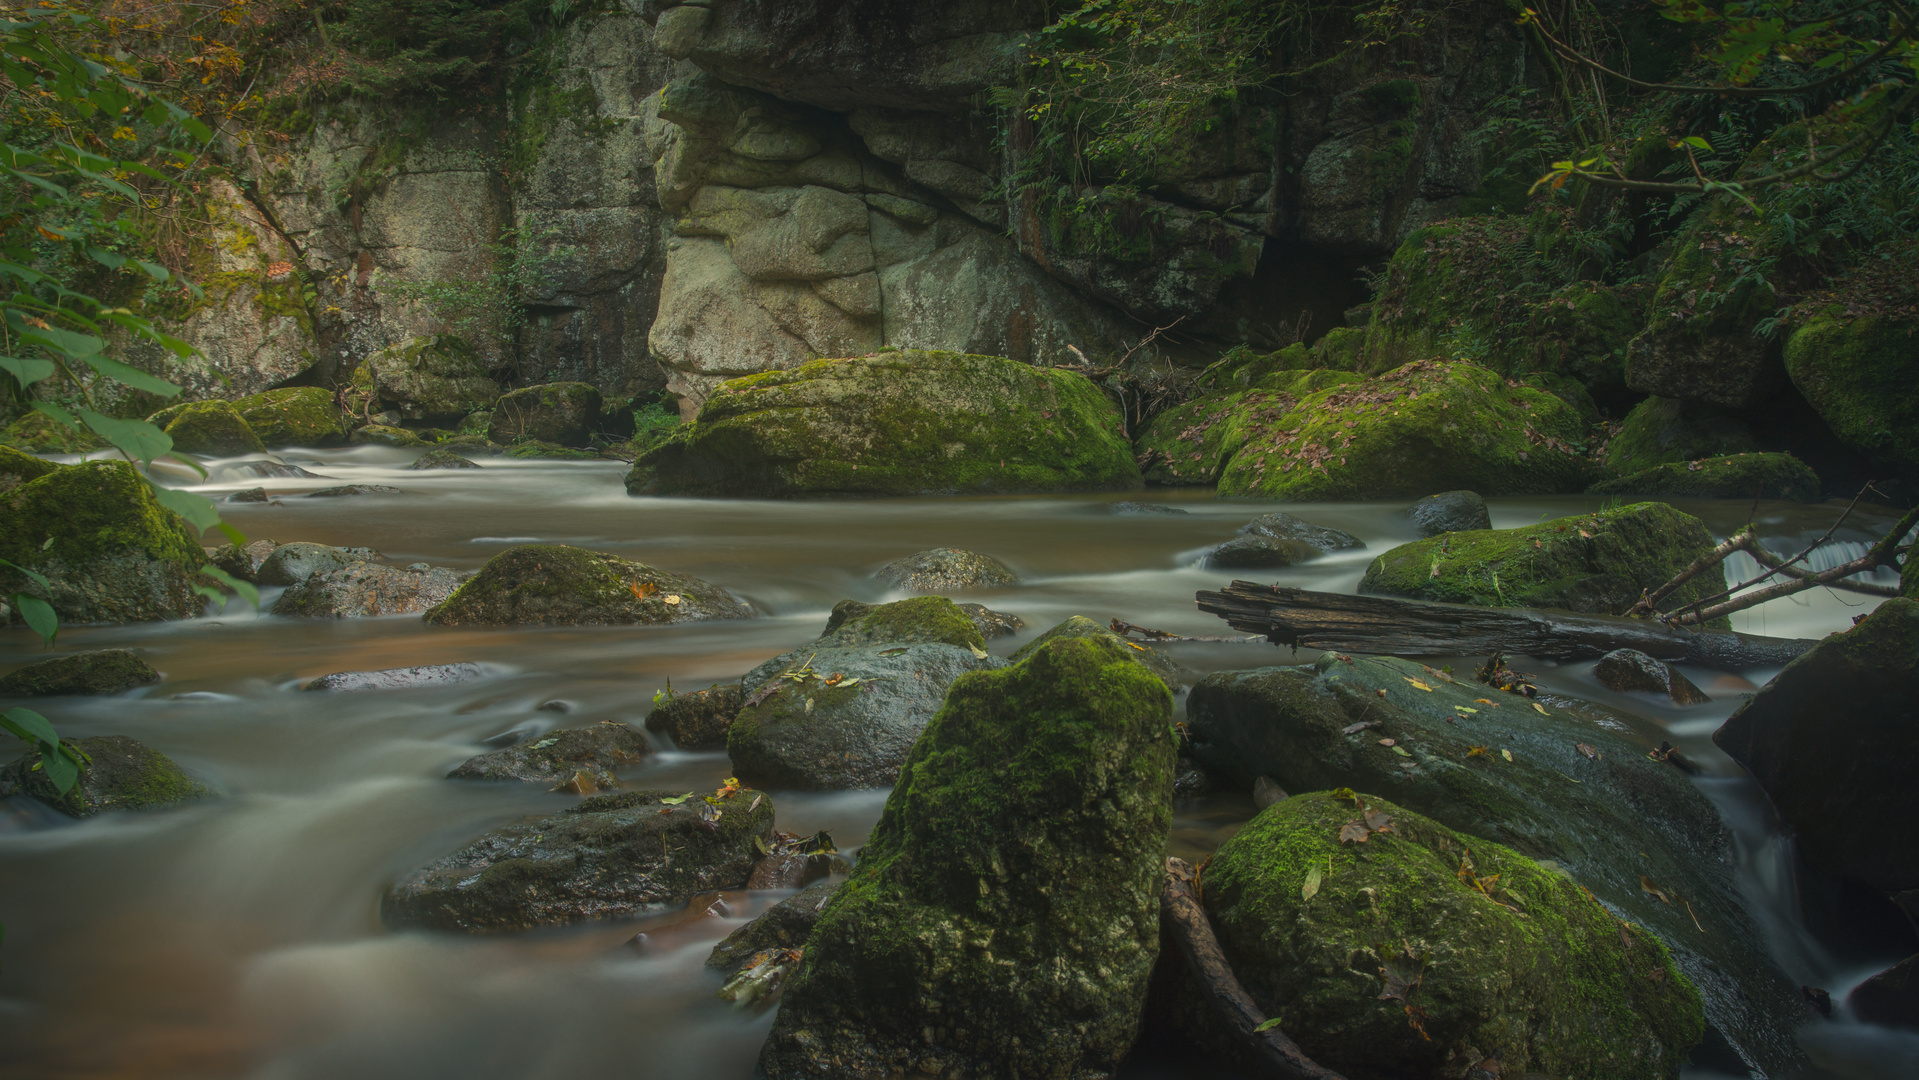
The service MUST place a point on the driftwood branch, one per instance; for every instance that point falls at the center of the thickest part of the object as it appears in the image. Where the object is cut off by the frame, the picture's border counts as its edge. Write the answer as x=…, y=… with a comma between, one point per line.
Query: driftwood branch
x=1277, y=1054
x=1649, y=603
x=1691, y=612
x=1388, y=626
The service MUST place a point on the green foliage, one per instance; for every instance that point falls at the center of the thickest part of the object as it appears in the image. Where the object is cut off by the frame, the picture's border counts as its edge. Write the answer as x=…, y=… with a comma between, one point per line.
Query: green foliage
x=61, y=762
x=440, y=46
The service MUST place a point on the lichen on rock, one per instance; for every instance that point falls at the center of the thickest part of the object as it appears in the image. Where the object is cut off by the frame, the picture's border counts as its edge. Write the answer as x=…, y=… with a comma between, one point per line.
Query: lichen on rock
x=17, y=468
x=433, y=377
x=559, y=585
x=561, y=413
x=944, y=569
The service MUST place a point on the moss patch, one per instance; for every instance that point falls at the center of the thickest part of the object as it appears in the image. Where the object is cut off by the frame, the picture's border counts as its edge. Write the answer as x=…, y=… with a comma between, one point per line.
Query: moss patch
x=112, y=552
x=1741, y=476
x=36, y=433
x=295, y=416
x=107, y=671
x=558, y=585
x=214, y=428
x=566, y=414
x=17, y=468
x=122, y=775
x=438, y=376
x=1862, y=378
x=1663, y=431
x=922, y=618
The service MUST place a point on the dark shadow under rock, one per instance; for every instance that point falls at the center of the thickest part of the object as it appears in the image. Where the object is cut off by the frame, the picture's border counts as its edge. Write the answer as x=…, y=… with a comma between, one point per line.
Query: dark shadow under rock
x=586, y=758
x=106, y=671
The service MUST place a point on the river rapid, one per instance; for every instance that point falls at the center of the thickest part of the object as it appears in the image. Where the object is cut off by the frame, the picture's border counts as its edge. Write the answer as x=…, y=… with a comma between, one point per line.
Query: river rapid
x=240, y=937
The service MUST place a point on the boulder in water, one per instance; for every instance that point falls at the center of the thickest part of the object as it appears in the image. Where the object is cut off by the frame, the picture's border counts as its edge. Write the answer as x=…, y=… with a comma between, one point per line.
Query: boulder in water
x=1450, y=511
x=38, y=433
x=585, y=758
x=1890, y=998
x=1079, y=626
x=1003, y=918
x=1281, y=526
x=612, y=856
x=697, y=719
x=1630, y=669
x=105, y=671
x=214, y=428
x=250, y=495
x=400, y=678
x=1834, y=740
x=992, y=624
x=785, y=925
x=1741, y=476
x=294, y=416
x=383, y=435
x=559, y=585
x=564, y=413
x=432, y=377
x=346, y=490
x=112, y=553
x=943, y=569
x=1139, y=509
x=366, y=589
x=1259, y=553
x=442, y=458
x=1417, y=951
x=921, y=618
x=120, y=774
x=290, y=564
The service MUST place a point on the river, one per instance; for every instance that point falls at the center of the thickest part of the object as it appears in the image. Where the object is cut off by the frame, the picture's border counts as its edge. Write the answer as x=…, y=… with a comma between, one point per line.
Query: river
x=239, y=937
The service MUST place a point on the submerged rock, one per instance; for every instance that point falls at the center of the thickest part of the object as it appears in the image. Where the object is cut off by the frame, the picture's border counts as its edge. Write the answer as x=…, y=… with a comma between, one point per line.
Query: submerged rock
x=112, y=553
x=353, y=489
x=585, y=757
x=896, y=423
x=250, y=495
x=295, y=416
x=559, y=585
x=1553, y=778
x=214, y=428
x=697, y=719
x=1286, y=527
x=565, y=413
x=1890, y=998
x=120, y=774
x=1032, y=815
x=1140, y=509
x=1601, y=562
x=1259, y=553
x=785, y=925
x=1630, y=669
x=106, y=671
x=1422, y=950
x=942, y=569
x=367, y=589
x=277, y=470
x=440, y=458
x=1834, y=740
x=1450, y=511
x=400, y=678
x=612, y=856
x=1741, y=476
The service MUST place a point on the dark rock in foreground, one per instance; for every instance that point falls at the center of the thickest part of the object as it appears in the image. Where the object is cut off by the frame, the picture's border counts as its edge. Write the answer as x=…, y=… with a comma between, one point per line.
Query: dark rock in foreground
x=944, y=569
x=785, y=925
x=1630, y=669
x=697, y=719
x=400, y=678
x=1890, y=997
x=558, y=585
x=1259, y=553
x=121, y=774
x=107, y=671
x=112, y=553
x=612, y=856
x=585, y=758
x=1287, y=527
x=1003, y=918
x=1450, y=511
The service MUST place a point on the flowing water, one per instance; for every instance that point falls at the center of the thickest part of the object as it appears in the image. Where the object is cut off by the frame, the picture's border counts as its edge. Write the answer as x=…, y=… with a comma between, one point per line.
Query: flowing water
x=239, y=937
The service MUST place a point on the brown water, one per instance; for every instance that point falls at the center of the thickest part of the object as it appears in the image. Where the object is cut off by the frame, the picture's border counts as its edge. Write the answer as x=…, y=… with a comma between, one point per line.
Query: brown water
x=240, y=937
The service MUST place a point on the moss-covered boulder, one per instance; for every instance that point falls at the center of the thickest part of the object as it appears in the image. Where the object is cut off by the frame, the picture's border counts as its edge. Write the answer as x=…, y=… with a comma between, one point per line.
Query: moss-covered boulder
x=561, y=413
x=1552, y=777
x=120, y=774
x=1190, y=444
x=584, y=759
x=539, y=450
x=920, y=619
x=434, y=377
x=944, y=569
x=1834, y=739
x=294, y=416
x=214, y=428
x=36, y=433
x=1003, y=918
x=384, y=435
x=1664, y=431
x=1698, y=343
x=1600, y=562
x=1423, y=950
x=1862, y=377
x=17, y=468
x=610, y=857
x=559, y=585
x=1741, y=476
x=697, y=719
x=1079, y=626
x=104, y=671
x=896, y=423
x=1426, y=426
x=110, y=550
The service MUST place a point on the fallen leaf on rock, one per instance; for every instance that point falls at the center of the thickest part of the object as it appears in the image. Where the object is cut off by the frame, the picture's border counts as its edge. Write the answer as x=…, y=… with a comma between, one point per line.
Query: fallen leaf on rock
x=893, y=652
x=1268, y=1025
x=1354, y=832
x=1386, y=742
x=1401, y=751
x=978, y=653
x=1477, y=751
x=1377, y=821
x=1487, y=701
x=1343, y=793
x=1354, y=729
x=671, y=599
x=1587, y=750
x=1466, y=708
x=677, y=799
x=1310, y=888
x=1647, y=886
x=1507, y=754
x=1541, y=709
x=1382, y=693
x=1420, y=685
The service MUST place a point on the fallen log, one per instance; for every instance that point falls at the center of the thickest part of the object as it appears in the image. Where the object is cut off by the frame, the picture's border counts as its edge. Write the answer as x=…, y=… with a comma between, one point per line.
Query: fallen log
x=1277, y=1054
x=1392, y=627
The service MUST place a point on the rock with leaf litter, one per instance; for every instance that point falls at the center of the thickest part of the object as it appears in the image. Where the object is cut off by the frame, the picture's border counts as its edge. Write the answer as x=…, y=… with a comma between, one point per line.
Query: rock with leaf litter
x=120, y=774
x=584, y=760
x=559, y=585
x=1003, y=919
x=785, y=925
x=1393, y=946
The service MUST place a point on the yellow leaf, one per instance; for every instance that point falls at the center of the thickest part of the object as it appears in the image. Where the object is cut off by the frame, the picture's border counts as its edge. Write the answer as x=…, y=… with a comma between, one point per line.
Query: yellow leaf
x=1541, y=708
x=672, y=599
x=1465, y=708
x=1507, y=754
x=1420, y=685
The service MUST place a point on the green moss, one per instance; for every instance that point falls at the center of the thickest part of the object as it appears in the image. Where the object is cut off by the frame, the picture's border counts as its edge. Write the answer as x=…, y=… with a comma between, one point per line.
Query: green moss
x=1425, y=427
x=1909, y=577
x=214, y=428
x=1079, y=626
x=113, y=552
x=295, y=416
x=121, y=775
x=36, y=433
x=435, y=376
x=107, y=671
x=562, y=413
x=1859, y=375
x=1660, y=431
x=555, y=584
x=1740, y=476
x=921, y=618
x=535, y=449
x=899, y=423
x=652, y=427
x=1599, y=562
x=17, y=468
x=1527, y=969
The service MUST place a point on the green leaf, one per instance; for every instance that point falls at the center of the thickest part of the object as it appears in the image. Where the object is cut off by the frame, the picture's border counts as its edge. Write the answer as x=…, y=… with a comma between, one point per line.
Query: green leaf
x=245, y=589
x=29, y=726
x=62, y=771
x=198, y=510
x=1268, y=1025
x=38, y=615
x=64, y=341
x=153, y=270
x=131, y=376
x=136, y=438
x=26, y=371
x=1697, y=143
x=36, y=578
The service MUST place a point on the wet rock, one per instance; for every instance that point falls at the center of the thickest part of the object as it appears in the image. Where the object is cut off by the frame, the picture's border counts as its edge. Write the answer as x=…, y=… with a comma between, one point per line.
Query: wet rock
x=1288, y=527
x=1079, y=626
x=106, y=671
x=1259, y=553
x=17, y=468
x=1191, y=779
x=1190, y=444
x=785, y=925
x=564, y=413
x=902, y=422
x=1630, y=669
x=1057, y=770
x=1890, y=997
x=922, y=618
x=250, y=495
x=353, y=489
x=437, y=376
x=366, y=589
x=120, y=774
x=1667, y=431
x=941, y=569
x=243, y=563
x=1450, y=511
x=294, y=416
x=290, y=564
x=1857, y=375
x=1600, y=562
x=400, y=678
x=595, y=753
x=992, y=624
x=547, y=451
x=1578, y=789
x=384, y=435
x=1741, y=476
x=441, y=458
x=1834, y=740
x=1503, y=958
x=1140, y=509
x=612, y=856
x=111, y=552
x=214, y=428
x=559, y=585
x=697, y=720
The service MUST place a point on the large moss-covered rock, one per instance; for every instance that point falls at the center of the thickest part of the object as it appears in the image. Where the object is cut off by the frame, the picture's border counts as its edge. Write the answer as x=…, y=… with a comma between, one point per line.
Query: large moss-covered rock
x=214, y=428
x=586, y=758
x=1426, y=426
x=383, y=435
x=561, y=413
x=295, y=416
x=1601, y=562
x=110, y=550
x=1741, y=476
x=1662, y=431
x=1003, y=918
x=920, y=619
x=1834, y=739
x=559, y=585
x=897, y=423
x=1191, y=443
x=120, y=774
x=1079, y=626
x=1698, y=343
x=612, y=856
x=1862, y=377
x=1423, y=951
x=17, y=468
x=105, y=671
x=433, y=377
x=1552, y=777
x=36, y=433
